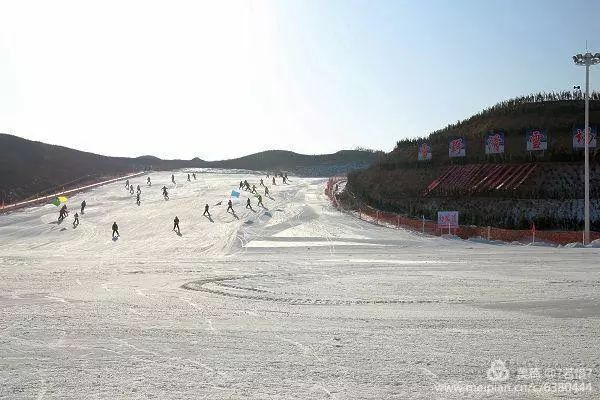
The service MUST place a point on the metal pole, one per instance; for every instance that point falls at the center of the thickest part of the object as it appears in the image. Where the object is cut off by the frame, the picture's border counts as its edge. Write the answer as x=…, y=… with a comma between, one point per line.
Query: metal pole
x=586, y=229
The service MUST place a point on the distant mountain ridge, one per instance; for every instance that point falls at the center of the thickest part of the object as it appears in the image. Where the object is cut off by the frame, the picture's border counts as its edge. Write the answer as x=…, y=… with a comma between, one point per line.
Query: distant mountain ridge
x=29, y=167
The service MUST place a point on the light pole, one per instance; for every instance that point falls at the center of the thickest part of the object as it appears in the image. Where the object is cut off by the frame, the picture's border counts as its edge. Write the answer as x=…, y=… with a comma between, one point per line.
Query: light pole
x=586, y=60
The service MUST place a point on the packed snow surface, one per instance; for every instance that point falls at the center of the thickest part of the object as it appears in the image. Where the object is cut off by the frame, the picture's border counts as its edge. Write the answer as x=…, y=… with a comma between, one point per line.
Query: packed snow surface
x=292, y=301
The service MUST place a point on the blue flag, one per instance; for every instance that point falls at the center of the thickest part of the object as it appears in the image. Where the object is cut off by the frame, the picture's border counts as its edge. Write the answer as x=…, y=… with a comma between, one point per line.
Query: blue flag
x=235, y=194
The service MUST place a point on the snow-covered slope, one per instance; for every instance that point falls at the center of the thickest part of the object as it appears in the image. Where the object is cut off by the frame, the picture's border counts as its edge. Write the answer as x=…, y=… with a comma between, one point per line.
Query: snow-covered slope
x=293, y=301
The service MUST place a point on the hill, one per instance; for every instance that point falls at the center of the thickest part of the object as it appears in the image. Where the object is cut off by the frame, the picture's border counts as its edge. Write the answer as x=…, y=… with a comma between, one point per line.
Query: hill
x=29, y=168
x=302, y=164
x=552, y=112
x=509, y=190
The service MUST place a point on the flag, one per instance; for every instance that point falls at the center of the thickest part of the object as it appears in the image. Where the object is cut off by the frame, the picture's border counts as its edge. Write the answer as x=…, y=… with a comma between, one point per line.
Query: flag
x=57, y=201
x=235, y=194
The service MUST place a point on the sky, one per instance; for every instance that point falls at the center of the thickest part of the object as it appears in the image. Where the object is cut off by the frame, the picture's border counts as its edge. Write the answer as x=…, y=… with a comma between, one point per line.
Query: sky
x=221, y=79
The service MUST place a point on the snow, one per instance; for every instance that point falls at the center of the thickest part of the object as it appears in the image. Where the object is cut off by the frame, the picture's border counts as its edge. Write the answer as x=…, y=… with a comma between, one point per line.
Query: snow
x=296, y=301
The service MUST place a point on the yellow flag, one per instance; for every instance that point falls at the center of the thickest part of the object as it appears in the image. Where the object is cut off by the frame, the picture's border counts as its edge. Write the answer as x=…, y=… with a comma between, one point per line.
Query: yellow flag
x=62, y=199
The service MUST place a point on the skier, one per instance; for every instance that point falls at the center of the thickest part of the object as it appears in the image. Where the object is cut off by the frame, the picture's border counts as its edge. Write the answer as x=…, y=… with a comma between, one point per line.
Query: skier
x=230, y=206
x=127, y=184
x=189, y=180
x=83, y=204
x=241, y=184
x=248, y=205
x=194, y=175
x=253, y=189
x=206, y=211
x=261, y=182
x=76, y=220
x=260, y=203
x=165, y=193
x=63, y=213
x=274, y=181
x=246, y=184
x=137, y=200
x=172, y=178
x=176, y=224
x=115, y=229
x=266, y=191
x=148, y=182
x=131, y=189
x=139, y=189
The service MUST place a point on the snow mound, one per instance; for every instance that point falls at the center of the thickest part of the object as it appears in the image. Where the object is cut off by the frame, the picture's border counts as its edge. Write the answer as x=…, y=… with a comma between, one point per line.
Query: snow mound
x=594, y=244
x=574, y=245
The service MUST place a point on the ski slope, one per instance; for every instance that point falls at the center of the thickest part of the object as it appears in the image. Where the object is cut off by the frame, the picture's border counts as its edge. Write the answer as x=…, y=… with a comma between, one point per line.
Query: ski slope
x=295, y=301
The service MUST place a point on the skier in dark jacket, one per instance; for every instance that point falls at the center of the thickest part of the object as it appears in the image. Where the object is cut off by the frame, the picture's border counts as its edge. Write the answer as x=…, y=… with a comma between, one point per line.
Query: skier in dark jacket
x=115, y=229
x=62, y=214
x=176, y=224
x=230, y=206
x=83, y=204
x=206, y=211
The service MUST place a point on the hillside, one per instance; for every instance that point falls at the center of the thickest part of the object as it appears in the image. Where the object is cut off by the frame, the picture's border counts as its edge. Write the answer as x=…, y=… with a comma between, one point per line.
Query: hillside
x=30, y=168
x=557, y=117
x=509, y=190
x=302, y=164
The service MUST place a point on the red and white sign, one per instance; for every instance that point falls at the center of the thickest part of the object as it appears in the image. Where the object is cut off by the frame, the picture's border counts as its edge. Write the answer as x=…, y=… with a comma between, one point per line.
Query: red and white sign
x=447, y=219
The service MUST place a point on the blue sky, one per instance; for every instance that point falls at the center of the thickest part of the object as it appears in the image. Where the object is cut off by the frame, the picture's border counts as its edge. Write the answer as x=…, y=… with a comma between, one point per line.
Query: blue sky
x=224, y=79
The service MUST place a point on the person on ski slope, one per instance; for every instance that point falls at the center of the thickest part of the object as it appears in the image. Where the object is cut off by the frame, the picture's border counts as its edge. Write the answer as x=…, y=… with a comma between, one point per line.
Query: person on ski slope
x=115, y=229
